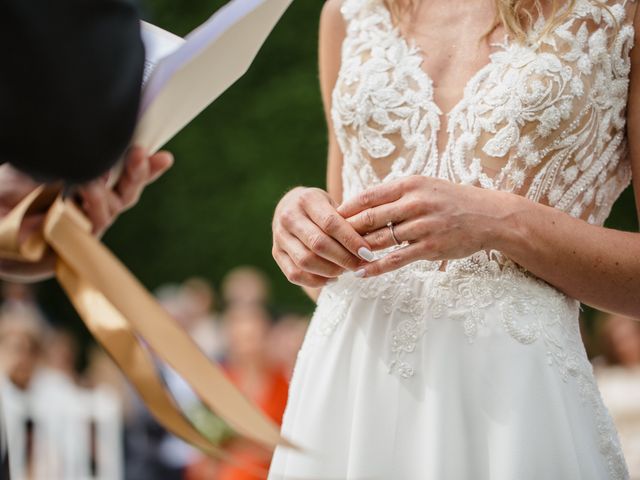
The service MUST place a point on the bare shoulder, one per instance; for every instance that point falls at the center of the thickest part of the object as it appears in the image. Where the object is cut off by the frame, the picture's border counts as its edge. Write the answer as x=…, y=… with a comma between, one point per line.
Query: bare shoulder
x=331, y=19
x=331, y=9
x=331, y=35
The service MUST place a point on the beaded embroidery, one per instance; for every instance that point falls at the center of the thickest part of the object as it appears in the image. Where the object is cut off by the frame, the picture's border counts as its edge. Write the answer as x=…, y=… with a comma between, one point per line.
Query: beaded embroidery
x=551, y=111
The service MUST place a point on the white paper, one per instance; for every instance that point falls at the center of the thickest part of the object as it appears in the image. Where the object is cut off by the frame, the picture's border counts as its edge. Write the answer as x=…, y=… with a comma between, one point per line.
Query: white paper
x=210, y=60
x=158, y=44
x=184, y=76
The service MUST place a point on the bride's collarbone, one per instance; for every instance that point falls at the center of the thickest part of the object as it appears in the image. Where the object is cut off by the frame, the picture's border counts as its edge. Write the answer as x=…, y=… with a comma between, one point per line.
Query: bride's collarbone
x=451, y=57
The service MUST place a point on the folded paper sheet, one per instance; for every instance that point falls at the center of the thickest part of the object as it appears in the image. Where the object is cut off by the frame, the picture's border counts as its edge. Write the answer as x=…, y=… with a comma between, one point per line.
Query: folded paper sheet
x=199, y=70
x=158, y=44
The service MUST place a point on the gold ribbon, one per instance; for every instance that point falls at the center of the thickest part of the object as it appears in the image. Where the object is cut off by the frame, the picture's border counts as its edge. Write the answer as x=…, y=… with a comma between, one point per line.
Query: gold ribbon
x=121, y=315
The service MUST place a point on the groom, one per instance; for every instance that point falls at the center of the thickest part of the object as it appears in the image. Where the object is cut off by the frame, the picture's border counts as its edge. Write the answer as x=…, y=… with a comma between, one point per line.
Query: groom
x=70, y=83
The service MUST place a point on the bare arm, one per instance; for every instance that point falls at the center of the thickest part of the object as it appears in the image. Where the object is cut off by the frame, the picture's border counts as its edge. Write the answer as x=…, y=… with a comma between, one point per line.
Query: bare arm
x=331, y=36
x=312, y=243
x=332, y=33
x=598, y=266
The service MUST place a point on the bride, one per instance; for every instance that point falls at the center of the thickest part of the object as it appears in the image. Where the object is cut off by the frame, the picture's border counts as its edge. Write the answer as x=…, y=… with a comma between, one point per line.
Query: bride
x=475, y=150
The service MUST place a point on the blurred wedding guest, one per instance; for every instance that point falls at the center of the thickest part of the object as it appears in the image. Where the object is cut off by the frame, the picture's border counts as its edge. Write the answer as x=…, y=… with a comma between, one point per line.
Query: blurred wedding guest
x=247, y=362
x=285, y=340
x=170, y=297
x=21, y=340
x=618, y=374
x=61, y=353
x=21, y=346
x=144, y=455
x=205, y=328
x=176, y=304
x=20, y=295
x=102, y=372
x=249, y=367
x=55, y=429
x=245, y=285
x=151, y=452
x=34, y=355
x=36, y=399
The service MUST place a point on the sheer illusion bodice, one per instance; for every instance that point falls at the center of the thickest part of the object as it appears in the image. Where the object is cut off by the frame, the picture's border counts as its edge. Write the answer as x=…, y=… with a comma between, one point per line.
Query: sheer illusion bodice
x=545, y=120
x=473, y=369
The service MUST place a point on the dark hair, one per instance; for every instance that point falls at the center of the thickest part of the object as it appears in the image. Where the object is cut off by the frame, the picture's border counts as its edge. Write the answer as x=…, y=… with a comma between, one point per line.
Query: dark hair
x=69, y=85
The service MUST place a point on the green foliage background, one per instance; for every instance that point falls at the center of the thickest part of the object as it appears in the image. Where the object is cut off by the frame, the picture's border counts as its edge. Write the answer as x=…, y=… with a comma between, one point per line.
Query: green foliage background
x=213, y=210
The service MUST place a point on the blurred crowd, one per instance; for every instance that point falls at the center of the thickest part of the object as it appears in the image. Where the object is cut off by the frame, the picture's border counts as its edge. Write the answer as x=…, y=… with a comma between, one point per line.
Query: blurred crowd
x=43, y=371
x=616, y=342
x=41, y=383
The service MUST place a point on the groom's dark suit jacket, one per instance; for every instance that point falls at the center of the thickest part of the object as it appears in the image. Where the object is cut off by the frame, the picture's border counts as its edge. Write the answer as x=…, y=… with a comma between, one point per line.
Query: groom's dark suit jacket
x=70, y=76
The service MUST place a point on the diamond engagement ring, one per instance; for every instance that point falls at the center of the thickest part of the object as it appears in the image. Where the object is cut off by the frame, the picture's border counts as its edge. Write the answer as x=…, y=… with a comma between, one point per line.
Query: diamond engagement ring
x=393, y=234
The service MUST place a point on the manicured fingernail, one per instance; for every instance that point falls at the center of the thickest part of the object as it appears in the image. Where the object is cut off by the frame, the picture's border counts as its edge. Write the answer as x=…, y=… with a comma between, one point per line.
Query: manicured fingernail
x=366, y=254
x=360, y=273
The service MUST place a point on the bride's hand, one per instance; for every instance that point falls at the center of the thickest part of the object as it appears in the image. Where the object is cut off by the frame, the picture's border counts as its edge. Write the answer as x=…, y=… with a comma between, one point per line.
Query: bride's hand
x=440, y=220
x=312, y=243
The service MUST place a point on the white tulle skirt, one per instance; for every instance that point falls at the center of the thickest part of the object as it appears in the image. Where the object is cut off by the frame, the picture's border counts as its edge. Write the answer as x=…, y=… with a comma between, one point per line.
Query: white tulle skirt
x=474, y=373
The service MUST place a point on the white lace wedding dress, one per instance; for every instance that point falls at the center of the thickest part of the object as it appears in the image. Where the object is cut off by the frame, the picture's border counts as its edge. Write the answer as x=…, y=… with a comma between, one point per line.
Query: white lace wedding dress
x=473, y=370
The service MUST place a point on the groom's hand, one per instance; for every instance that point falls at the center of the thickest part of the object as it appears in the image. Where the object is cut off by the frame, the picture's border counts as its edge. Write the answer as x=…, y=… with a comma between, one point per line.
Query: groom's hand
x=100, y=204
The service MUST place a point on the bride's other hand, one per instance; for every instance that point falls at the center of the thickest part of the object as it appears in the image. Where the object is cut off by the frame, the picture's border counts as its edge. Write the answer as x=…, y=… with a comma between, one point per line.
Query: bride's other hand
x=312, y=243
x=438, y=219
x=102, y=205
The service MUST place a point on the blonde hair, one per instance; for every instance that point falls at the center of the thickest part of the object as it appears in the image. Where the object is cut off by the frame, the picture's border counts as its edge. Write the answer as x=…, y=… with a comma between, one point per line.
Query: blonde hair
x=517, y=16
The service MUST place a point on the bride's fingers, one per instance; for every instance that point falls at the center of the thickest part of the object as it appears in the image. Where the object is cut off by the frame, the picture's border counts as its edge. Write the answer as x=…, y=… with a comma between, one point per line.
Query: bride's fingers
x=335, y=226
x=307, y=260
x=409, y=231
x=322, y=244
x=374, y=218
x=372, y=197
x=294, y=274
x=393, y=260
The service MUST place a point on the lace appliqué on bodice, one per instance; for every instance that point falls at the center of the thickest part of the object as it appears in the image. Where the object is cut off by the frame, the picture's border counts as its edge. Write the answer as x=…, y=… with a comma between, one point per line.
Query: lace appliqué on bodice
x=529, y=310
x=545, y=120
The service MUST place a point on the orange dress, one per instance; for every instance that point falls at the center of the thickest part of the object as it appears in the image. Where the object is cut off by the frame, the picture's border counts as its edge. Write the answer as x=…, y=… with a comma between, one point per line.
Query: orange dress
x=272, y=400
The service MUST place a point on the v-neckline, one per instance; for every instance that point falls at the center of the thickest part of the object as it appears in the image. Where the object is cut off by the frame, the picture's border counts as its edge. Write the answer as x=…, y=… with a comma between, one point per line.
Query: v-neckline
x=418, y=52
x=439, y=153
